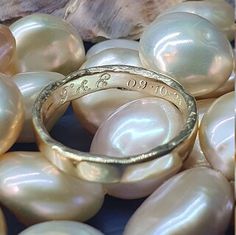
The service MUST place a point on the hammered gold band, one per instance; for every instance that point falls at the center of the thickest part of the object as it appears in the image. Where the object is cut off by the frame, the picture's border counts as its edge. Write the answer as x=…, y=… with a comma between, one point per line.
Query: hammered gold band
x=109, y=169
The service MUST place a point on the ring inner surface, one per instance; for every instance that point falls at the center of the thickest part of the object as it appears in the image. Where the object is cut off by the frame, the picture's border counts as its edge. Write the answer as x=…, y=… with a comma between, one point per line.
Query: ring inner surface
x=91, y=83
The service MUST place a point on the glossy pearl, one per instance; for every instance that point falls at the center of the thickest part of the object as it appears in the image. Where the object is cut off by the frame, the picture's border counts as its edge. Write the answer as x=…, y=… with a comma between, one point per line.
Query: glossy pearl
x=196, y=201
x=61, y=227
x=47, y=43
x=114, y=56
x=111, y=44
x=2, y=224
x=197, y=157
x=217, y=136
x=30, y=84
x=11, y=113
x=35, y=191
x=7, y=48
x=219, y=13
x=227, y=87
x=93, y=109
x=135, y=128
x=192, y=50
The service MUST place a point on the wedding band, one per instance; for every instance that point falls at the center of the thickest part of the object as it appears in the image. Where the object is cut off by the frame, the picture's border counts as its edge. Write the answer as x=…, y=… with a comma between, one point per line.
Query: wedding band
x=110, y=169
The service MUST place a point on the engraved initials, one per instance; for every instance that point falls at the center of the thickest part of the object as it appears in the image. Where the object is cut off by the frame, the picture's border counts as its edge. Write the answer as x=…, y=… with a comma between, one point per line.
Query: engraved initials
x=64, y=93
x=83, y=87
x=102, y=81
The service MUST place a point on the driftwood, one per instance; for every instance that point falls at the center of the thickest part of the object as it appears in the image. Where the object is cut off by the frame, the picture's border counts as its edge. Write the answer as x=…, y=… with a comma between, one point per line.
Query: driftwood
x=12, y=9
x=94, y=19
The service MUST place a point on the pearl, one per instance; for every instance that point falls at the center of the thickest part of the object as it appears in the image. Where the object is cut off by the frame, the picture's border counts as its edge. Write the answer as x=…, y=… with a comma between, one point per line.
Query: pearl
x=2, y=224
x=196, y=157
x=110, y=44
x=30, y=84
x=7, y=48
x=217, y=135
x=47, y=43
x=227, y=87
x=11, y=113
x=93, y=109
x=35, y=191
x=114, y=56
x=196, y=201
x=219, y=13
x=192, y=50
x=135, y=128
x=61, y=227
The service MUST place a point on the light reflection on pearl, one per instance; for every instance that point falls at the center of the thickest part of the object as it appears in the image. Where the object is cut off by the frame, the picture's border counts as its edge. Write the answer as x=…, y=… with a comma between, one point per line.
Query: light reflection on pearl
x=219, y=13
x=35, y=191
x=184, y=204
x=135, y=128
x=109, y=44
x=217, y=135
x=192, y=50
x=11, y=113
x=47, y=43
x=7, y=48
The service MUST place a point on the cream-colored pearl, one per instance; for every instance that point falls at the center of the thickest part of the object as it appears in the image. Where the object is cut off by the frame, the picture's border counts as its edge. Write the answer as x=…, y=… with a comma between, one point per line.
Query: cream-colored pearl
x=198, y=201
x=30, y=84
x=113, y=43
x=3, y=230
x=11, y=113
x=35, y=191
x=61, y=228
x=219, y=13
x=113, y=56
x=93, y=109
x=47, y=43
x=197, y=157
x=7, y=48
x=135, y=128
x=227, y=87
x=217, y=134
x=192, y=50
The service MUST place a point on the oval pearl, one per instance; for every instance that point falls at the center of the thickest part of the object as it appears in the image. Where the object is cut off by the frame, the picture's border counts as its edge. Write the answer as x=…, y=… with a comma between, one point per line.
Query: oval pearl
x=197, y=158
x=61, y=227
x=110, y=44
x=192, y=50
x=7, y=48
x=47, y=43
x=11, y=113
x=93, y=109
x=30, y=84
x=217, y=134
x=3, y=230
x=196, y=201
x=35, y=191
x=135, y=128
x=219, y=13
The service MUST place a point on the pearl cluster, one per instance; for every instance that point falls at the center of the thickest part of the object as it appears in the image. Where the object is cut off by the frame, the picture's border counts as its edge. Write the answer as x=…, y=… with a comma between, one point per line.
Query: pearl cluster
x=193, y=196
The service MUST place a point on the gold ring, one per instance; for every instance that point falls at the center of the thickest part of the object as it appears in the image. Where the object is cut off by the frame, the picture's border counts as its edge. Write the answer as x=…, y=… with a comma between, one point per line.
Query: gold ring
x=109, y=169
